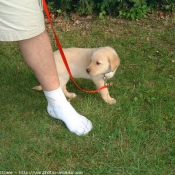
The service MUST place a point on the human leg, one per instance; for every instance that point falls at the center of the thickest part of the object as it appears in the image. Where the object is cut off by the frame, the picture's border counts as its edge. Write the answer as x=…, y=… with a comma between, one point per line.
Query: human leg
x=37, y=53
x=24, y=21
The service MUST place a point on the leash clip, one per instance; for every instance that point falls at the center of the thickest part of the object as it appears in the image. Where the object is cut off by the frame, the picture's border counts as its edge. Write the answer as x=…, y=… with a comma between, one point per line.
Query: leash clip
x=105, y=80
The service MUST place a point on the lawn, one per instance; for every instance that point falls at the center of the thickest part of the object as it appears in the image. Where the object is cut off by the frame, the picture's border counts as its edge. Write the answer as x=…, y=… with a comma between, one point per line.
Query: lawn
x=135, y=136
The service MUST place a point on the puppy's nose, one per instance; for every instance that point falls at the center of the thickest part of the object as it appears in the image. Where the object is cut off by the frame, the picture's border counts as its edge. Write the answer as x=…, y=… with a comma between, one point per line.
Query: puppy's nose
x=88, y=71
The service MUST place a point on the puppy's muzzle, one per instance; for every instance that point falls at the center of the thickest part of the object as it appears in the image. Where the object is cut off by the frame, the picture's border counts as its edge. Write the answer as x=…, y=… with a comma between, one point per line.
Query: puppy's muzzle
x=88, y=71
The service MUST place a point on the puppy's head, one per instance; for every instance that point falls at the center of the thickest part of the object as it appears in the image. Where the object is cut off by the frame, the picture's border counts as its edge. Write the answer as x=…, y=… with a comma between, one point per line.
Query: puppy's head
x=103, y=60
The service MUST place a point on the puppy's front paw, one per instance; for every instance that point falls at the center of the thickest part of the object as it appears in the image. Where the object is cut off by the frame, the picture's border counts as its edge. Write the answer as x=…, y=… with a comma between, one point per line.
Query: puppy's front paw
x=108, y=99
x=111, y=101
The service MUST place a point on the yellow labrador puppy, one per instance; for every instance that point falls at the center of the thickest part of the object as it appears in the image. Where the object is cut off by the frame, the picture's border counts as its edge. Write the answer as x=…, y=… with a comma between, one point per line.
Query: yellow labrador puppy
x=89, y=63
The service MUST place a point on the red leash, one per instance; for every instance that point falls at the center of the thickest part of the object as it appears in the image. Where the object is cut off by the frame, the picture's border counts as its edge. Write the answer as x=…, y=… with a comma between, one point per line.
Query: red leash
x=63, y=55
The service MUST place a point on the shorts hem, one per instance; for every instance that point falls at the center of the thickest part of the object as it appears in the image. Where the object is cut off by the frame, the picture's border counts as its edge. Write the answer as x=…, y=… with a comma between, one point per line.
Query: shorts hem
x=20, y=35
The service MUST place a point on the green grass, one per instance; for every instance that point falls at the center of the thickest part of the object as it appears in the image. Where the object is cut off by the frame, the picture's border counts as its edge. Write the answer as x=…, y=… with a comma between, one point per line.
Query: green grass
x=136, y=136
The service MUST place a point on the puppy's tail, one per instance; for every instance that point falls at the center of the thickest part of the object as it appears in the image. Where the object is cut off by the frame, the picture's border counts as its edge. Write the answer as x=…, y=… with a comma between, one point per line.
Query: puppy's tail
x=39, y=88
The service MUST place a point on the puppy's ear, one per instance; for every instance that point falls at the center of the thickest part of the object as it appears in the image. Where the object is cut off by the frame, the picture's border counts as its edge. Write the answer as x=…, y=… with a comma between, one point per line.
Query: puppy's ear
x=114, y=61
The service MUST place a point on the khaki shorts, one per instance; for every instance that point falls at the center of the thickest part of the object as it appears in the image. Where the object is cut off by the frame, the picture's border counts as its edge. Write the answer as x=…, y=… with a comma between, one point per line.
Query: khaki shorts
x=20, y=19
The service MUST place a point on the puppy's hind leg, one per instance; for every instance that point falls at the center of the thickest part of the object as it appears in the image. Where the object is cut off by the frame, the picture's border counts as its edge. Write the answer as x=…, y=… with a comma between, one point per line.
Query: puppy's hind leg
x=63, y=82
x=69, y=95
x=39, y=88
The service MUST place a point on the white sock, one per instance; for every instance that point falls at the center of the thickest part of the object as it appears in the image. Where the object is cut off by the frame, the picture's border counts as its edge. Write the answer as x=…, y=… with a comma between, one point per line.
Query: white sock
x=59, y=108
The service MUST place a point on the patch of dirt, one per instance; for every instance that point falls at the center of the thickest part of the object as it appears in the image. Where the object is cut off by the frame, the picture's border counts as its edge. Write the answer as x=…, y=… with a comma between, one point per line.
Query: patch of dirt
x=73, y=21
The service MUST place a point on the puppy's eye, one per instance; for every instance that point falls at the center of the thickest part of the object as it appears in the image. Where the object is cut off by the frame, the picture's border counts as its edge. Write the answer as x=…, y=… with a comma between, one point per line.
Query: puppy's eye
x=97, y=63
